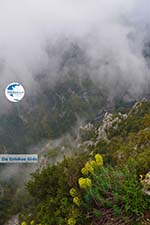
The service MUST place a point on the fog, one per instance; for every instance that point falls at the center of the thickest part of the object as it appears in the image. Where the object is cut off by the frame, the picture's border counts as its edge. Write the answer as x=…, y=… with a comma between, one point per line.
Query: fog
x=110, y=33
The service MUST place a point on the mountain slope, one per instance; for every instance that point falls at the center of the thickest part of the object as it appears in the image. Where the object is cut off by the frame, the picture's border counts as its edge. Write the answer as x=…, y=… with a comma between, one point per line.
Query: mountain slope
x=110, y=192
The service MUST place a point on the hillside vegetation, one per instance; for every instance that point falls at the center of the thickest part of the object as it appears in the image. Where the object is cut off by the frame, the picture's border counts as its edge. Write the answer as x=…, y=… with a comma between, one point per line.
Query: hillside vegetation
x=107, y=183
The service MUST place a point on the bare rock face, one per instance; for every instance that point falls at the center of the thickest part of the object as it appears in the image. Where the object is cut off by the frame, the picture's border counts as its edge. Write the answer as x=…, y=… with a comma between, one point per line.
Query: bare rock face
x=85, y=132
x=109, y=123
x=13, y=221
x=137, y=106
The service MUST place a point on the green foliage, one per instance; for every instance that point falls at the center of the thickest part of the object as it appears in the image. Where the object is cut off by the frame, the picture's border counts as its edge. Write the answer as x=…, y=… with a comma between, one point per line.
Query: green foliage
x=50, y=190
x=115, y=189
x=130, y=141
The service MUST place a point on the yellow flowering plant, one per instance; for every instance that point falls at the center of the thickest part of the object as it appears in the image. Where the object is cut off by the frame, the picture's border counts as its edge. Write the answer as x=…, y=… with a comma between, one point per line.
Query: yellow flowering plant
x=73, y=192
x=141, y=178
x=84, y=171
x=93, y=163
x=23, y=223
x=71, y=221
x=32, y=222
x=84, y=183
x=76, y=200
x=99, y=159
x=89, y=167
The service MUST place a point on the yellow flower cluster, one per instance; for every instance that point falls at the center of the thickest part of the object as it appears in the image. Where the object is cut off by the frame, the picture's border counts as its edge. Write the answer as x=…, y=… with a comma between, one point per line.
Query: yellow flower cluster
x=76, y=200
x=99, y=159
x=23, y=223
x=141, y=178
x=84, y=182
x=84, y=171
x=32, y=222
x=71, y=221
x=91, y=165
x=73, y=192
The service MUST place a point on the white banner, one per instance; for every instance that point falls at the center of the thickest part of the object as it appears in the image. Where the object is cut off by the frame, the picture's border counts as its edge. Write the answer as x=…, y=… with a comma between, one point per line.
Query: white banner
x=18, y=158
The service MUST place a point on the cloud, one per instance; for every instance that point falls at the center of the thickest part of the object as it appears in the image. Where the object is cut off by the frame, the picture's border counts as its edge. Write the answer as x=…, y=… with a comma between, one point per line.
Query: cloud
x=109, y=32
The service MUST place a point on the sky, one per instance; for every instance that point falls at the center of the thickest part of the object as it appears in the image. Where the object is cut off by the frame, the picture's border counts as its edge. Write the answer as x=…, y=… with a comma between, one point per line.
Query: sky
x=111, y=33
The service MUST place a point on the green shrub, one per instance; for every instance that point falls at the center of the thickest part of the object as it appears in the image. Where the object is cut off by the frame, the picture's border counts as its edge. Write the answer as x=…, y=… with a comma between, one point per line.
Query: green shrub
x=114, y=189
x=50, y=191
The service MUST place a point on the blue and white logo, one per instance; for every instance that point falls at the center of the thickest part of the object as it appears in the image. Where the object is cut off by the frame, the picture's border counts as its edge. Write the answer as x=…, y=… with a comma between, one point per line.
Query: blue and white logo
x=14, y=92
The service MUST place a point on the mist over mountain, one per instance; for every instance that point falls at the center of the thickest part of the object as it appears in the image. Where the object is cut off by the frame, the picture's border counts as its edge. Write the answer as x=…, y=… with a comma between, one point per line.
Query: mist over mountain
x=37, y=36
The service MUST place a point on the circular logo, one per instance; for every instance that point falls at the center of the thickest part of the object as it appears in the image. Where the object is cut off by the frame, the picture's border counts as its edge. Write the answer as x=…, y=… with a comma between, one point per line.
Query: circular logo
x=14, y=92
